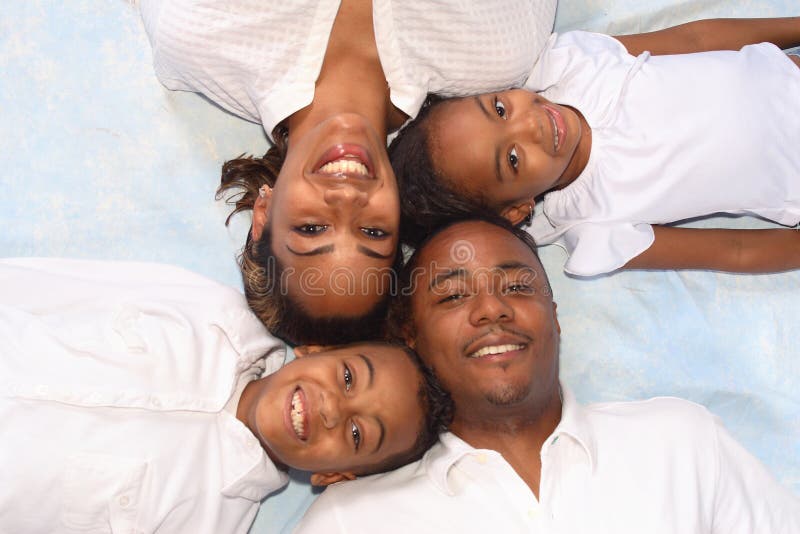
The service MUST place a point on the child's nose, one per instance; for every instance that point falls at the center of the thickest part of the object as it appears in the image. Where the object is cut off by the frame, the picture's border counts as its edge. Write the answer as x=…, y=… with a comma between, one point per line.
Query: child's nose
x=329, y=410
x=528, y=125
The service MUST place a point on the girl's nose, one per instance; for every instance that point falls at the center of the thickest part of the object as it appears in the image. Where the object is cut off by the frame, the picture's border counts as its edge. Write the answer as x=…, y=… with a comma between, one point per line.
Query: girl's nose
x=329, y=409
x=345, y=195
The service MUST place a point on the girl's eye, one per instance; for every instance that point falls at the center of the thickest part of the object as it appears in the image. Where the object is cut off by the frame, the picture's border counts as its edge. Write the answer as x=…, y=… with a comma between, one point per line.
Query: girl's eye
x=499, y=108
x=311, y=229
x=348, y=378
x=375, y=233
x=356, y=433
x=513, y=159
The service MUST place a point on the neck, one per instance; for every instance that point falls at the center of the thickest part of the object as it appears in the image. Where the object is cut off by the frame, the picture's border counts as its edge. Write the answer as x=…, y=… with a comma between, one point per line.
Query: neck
x=580, y=158
x=351, y=79
x=518, y=433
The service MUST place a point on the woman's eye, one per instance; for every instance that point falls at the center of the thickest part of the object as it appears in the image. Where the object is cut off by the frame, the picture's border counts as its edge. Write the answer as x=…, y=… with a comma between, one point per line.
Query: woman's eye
x=356, y=433
x=375, y=233
x=348, y=378
x=499, y=108
x=513, y=159
x=311, y=229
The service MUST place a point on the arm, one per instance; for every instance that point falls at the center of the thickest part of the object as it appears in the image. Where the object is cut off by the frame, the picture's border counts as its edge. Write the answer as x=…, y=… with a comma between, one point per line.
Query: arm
x=731, y=250
x=715, y=34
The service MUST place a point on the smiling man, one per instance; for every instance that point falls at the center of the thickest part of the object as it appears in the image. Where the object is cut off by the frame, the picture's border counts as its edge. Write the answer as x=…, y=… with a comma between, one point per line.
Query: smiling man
x=522, y=454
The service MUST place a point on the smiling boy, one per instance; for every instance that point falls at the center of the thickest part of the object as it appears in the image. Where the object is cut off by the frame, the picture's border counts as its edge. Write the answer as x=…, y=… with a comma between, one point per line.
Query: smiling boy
x=142, y=397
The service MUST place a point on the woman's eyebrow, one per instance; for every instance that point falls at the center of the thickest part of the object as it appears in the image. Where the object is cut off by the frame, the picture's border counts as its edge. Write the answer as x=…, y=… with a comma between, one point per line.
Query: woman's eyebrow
x=373, y=253
x=314, y=252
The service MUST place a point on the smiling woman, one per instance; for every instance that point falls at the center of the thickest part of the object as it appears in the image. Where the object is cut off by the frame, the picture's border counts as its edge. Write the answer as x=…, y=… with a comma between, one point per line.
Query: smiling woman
x=329, y=80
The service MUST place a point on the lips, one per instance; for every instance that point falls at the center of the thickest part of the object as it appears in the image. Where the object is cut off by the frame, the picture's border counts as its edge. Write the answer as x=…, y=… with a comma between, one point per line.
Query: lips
x=298, y=414
x=346, y=161
x=495, y=346
x=558, y=124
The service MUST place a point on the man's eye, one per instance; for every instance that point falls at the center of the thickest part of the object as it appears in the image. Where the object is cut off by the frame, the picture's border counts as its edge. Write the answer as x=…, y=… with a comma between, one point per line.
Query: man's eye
x=513, y=159
x=375, y=233
x=356, y=433
x=311, y=229
x=499, y=108
x=524, y=289
x=348, y=378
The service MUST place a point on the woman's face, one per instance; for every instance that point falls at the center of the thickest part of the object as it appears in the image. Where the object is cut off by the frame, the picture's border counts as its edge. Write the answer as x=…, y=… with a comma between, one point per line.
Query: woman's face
x=334, y=218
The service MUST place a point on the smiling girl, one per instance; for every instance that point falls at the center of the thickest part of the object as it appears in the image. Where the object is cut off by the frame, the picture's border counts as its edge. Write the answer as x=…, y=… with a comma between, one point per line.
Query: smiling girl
x=627, y=135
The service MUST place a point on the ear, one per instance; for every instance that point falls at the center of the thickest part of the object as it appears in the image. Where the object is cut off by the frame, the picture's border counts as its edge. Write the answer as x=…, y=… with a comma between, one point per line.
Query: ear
x=304, y=350
x=326, y=479
x=260, y=210
x=518, y=212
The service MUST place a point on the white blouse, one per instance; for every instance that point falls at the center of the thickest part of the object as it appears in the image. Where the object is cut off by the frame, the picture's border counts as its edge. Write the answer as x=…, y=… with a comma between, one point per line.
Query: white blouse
x=260, y=59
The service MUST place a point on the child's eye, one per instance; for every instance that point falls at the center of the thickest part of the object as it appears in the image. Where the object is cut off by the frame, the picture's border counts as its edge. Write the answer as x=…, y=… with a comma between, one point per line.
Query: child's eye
x=311, y=229
x=375, y=233
x=451, y=298
x=513, y=159
x=348, y=378
x=356, y=433
x=499, y=108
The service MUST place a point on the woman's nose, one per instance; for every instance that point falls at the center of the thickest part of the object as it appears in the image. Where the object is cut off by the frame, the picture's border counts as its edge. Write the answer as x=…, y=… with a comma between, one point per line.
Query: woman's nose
x=345, y=194
x=527, y=125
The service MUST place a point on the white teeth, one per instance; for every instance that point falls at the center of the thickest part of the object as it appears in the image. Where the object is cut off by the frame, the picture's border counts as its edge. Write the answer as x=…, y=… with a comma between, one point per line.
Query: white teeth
x=495, y=349
x=344, y=166
x=555, y=130
x=297, y=415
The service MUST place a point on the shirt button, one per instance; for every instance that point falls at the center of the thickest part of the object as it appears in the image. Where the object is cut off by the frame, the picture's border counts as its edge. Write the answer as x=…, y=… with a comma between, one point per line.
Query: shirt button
x=155, y=402
x=41, y=389
x=533, y=512
x=124, y=501
x=482, y=458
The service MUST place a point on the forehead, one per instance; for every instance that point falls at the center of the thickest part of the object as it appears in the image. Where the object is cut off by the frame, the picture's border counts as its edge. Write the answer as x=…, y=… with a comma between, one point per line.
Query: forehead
x=474, y=244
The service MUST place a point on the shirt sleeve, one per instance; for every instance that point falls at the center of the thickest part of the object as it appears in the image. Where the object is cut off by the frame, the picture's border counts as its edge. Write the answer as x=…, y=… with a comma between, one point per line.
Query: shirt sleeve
x=599, y=248
x=748, y=498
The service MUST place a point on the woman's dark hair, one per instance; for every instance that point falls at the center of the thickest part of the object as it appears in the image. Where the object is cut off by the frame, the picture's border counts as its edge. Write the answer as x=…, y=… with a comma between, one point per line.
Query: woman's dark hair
x=283, y=316
x=427, y=200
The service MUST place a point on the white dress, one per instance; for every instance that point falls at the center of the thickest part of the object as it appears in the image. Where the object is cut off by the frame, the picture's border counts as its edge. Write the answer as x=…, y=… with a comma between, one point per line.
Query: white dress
x=259, y=59
x=673, y=137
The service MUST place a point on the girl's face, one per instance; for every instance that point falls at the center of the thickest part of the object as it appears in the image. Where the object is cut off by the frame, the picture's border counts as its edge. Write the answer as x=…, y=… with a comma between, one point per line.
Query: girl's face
x=334, y=215
x=507, y=147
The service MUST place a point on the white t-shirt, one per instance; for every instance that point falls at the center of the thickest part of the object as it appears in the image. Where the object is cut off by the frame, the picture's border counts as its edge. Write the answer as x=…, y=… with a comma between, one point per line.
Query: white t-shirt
x=659, y=466
x=260, y=59
x=673, y=137
x=114, y=379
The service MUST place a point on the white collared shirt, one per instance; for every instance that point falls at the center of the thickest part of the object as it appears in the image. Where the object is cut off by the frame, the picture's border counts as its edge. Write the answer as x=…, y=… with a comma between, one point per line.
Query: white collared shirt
x=114, y=381
x=659, y=466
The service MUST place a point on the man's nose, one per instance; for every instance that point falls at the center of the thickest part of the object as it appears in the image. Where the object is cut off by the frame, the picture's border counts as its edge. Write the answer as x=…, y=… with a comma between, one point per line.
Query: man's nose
x=345, y=194
x=490, y=307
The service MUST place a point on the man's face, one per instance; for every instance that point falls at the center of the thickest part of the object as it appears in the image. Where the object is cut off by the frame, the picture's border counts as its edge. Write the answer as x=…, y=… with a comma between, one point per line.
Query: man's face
x=342, y=410
x=484, y=319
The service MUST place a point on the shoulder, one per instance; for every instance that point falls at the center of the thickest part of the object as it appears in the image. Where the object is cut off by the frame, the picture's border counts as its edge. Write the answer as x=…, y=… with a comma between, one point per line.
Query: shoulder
x=666, y=419
x=364, y=504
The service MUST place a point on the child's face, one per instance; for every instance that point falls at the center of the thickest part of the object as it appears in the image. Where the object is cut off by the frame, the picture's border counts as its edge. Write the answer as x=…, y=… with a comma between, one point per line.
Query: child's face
x=505, y=147
x=342, y=410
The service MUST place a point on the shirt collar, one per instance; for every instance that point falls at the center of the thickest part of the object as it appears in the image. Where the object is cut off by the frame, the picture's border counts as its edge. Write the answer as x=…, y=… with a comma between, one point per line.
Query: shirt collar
x=246, y=470
x=450, y=449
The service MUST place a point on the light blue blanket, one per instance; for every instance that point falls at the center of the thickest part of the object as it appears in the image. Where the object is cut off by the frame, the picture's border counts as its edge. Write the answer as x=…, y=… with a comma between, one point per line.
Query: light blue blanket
x=99, y=161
